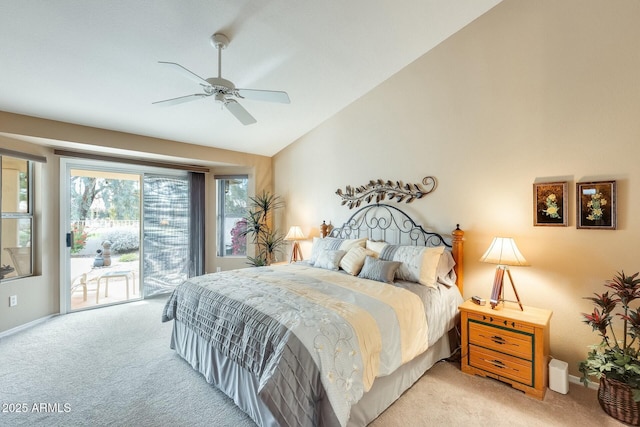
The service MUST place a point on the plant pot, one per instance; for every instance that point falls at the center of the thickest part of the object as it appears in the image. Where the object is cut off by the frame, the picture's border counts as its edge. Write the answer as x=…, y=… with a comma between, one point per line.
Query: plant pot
x=616, y=399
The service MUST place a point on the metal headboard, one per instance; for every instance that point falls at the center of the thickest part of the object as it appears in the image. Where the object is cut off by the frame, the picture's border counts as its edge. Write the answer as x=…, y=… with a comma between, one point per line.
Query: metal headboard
x=389, y=224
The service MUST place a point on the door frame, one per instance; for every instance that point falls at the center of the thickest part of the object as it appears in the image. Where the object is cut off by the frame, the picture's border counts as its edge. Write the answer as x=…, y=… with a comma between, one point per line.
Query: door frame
x=66, y=164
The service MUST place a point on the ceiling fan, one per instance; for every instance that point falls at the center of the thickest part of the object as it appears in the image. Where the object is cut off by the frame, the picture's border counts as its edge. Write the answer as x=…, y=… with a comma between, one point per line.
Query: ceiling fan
x=223, y=90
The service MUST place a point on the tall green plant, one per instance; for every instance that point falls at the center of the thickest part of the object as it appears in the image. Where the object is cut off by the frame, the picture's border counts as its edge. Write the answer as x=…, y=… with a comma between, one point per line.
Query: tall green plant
x=266, y=238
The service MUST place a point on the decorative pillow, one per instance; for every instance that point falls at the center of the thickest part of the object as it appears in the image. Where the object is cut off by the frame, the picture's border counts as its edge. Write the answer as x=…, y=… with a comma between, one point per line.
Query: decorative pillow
x=329, y=259
x=332, y=243
x=410, y=257
x=352, y=243
x=328, y=243
x=375, y=269
x=445, y=272
x=419, y=263
x=353, y=260
x=431, y=257
x=376, y=247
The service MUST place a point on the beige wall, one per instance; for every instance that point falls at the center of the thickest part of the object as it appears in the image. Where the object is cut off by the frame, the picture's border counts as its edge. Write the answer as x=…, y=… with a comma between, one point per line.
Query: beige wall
x=39, y=296
x=532, y=91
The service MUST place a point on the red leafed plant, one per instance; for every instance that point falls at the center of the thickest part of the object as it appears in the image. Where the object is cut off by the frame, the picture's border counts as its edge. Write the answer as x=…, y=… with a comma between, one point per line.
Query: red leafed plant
x=615, y=358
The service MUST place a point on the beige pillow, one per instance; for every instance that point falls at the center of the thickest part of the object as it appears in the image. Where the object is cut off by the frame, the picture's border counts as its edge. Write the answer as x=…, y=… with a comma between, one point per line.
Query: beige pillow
x=351, y=243
x=429, y=267
x=375, y=246
x=353, y=261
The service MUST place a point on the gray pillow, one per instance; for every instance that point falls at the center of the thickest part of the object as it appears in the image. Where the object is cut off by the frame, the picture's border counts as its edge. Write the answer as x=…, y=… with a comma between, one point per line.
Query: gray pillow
x=382, y=271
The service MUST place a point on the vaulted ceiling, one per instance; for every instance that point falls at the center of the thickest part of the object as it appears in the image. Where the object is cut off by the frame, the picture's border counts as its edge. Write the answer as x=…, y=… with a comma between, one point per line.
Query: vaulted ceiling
x=95, y=63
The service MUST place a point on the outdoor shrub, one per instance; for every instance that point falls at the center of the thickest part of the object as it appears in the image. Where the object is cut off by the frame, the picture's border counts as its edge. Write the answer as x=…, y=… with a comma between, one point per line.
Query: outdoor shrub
x=123, y=239
x=79, y=239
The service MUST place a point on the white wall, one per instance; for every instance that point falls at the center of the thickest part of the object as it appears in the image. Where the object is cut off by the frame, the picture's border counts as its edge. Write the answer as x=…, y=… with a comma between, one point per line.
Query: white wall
x=532, y=91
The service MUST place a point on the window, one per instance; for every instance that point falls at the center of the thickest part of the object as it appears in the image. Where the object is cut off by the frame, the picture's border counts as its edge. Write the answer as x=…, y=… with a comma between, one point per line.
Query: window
x=16, y=231
x=232, y=206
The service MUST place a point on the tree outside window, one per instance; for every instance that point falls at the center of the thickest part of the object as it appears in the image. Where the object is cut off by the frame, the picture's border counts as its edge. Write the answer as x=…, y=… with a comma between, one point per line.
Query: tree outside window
x=232, y=206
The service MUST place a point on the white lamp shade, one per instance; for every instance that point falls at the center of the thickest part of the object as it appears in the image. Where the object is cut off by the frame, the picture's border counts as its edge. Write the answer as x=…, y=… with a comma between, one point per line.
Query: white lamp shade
x=295, y=233
x=503, y=251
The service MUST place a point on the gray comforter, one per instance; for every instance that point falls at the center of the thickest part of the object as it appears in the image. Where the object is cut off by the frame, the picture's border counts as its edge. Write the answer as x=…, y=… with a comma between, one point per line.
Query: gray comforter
x=315, y=339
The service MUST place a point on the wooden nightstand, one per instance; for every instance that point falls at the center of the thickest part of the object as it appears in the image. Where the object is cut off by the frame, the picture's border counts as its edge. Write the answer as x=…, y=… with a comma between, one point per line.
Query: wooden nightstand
x=507, y=344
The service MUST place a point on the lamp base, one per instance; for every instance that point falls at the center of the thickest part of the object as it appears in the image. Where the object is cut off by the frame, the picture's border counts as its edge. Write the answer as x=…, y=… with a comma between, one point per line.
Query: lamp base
x=497, y=293
x=296, y=253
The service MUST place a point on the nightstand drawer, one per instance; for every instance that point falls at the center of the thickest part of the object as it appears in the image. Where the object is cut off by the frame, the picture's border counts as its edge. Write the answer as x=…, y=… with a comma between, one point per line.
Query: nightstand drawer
x=502, y=322
x=501, y=365
x=502, y=340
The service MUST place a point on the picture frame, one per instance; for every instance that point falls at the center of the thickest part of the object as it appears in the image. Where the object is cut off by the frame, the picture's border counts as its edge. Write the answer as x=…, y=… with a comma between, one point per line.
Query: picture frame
x=596, y=205
x=550, y=204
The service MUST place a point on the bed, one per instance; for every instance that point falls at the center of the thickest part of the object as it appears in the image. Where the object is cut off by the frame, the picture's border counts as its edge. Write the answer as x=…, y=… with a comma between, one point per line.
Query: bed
x=333, y=340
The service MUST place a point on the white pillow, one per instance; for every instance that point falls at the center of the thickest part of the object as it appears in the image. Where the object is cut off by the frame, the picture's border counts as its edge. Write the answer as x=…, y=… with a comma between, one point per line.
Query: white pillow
x=428, y=275
x=376, y=247
x=332, y=243
x=320, y=244
x=445, y=272
x=329, y=259
x=419, y=263
x=353, y=260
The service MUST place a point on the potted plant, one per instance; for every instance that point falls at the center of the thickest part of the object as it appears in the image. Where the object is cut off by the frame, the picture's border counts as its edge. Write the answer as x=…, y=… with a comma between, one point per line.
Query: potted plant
x=259, y=219
x=615, y=361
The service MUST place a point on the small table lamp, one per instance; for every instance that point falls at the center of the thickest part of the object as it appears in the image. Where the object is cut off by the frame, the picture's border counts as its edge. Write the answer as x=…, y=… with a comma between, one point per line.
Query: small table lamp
x=504, y=252
x=295, y=234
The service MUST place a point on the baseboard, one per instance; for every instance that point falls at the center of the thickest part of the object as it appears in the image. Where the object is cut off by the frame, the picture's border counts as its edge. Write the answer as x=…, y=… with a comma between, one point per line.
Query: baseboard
x=26, y=326
x=576, y=380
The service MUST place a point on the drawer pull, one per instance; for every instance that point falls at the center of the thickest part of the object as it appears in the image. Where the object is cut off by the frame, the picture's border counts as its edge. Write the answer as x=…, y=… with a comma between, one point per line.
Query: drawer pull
x=497, y=363
x=498, y=340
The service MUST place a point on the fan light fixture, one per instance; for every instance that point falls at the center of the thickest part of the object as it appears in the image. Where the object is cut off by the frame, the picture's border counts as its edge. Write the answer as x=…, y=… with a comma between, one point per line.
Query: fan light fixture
x=504, y=252
x=224, y=90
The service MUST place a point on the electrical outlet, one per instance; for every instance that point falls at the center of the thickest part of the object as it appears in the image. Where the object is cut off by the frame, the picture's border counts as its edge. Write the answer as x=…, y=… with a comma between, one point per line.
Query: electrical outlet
x=13, y=300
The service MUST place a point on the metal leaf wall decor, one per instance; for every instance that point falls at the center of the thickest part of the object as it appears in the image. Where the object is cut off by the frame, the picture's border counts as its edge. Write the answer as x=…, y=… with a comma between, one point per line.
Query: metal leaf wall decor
x=379, y=190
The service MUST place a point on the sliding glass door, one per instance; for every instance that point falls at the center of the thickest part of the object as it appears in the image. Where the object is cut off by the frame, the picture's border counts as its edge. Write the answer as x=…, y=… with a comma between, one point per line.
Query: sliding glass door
x=166, y=233
x=126, y=233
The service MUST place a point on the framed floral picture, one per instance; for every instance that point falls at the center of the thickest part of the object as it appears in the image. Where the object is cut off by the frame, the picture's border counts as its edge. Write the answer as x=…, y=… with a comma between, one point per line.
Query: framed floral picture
x=550, y=204
x=596, y=205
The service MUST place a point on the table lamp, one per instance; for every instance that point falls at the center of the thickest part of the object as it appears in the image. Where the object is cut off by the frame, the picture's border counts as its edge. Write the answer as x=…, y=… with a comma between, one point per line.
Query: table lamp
x=504, y=252
x=295, y=234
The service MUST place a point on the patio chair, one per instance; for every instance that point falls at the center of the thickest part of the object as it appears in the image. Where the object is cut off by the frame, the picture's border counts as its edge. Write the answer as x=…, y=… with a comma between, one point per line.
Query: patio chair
x=80, y=281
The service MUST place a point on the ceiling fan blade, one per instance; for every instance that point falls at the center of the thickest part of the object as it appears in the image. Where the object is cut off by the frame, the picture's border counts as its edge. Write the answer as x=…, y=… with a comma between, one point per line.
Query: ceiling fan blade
x=186, y=73
x=239, y=112
x=181, y=99
x=265, y=95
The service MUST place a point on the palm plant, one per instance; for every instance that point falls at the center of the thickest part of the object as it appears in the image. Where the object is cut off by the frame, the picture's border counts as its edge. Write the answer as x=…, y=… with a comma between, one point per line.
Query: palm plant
x=265, y=237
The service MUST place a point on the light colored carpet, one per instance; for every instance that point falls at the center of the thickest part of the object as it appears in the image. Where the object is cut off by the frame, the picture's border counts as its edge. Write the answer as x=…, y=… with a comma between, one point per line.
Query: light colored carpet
x=113, y=366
